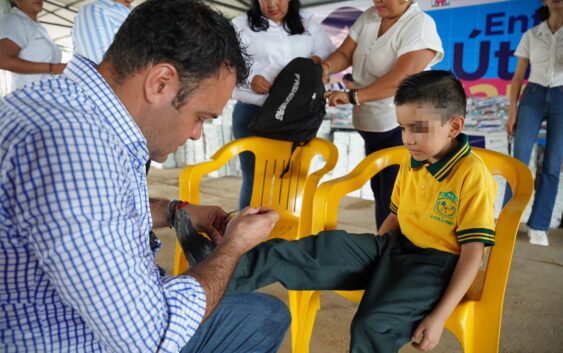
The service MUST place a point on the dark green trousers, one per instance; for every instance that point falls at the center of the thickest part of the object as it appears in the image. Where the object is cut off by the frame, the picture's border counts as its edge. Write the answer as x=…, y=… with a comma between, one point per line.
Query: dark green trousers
x=403, y=283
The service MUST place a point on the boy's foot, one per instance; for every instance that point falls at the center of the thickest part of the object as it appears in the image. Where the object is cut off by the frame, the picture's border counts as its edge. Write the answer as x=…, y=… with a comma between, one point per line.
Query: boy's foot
x=196, y=247
x=538, y=237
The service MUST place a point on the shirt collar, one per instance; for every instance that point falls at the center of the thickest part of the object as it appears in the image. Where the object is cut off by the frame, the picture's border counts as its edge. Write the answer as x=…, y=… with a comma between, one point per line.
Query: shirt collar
x=83, y=72
x=441, y=169
x=20, y=13
x=412, y=9
x=544, y=29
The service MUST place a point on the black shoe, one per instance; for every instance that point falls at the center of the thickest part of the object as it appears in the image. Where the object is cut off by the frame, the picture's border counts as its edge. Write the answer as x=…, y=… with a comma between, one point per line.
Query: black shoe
x=196, y=247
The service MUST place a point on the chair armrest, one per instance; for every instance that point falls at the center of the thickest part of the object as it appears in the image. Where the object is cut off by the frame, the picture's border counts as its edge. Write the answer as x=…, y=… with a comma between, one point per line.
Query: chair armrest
x=191, y=175
x=330, y=193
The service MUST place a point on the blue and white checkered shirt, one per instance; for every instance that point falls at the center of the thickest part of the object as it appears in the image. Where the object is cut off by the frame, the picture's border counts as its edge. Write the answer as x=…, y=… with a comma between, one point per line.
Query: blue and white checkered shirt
x=94, y=27
x=76, y=270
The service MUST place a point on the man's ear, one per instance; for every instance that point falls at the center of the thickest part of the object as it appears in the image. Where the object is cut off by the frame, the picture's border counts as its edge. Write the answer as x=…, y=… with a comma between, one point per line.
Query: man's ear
x=161, y=83
x=456, y=125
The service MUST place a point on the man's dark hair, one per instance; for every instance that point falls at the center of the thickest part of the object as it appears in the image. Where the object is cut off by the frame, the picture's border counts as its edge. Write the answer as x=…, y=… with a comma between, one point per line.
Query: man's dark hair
x=439, y=88
x=292, y=23
x=187, y=34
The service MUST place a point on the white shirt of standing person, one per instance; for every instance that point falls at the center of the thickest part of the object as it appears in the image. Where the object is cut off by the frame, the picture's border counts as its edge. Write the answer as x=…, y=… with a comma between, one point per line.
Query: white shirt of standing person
x=374, y=57
x=273, y=49
x=544, y=50
x=34, y=42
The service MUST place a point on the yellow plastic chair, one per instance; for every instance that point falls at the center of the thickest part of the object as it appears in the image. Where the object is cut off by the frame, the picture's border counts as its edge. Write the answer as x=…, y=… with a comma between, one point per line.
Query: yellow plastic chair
x=291, y=196
x=476, y=320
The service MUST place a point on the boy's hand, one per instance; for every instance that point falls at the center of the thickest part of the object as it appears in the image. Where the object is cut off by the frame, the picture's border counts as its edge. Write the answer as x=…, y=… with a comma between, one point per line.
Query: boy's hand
x=427, y=334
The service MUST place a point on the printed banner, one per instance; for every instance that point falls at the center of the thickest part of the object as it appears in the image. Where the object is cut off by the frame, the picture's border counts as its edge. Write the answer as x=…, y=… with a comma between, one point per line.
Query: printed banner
x=479, y=36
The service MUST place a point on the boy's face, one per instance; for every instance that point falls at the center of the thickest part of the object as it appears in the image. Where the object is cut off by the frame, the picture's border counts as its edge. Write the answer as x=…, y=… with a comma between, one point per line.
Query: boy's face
x=424, y=134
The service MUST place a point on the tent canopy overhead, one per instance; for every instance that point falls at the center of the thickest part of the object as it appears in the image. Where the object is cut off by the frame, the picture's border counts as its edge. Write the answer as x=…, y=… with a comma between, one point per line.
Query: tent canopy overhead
x=58, y=15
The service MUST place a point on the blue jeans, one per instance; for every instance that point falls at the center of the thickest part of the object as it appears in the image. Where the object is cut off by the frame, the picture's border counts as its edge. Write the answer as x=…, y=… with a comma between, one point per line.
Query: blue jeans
x=540, y=103
x=243, y=114
x=242, y=323
x=382, y=183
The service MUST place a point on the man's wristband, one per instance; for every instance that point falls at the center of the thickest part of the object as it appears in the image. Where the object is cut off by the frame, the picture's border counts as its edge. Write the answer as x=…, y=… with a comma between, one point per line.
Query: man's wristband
x=174, y=206
x=353, y=97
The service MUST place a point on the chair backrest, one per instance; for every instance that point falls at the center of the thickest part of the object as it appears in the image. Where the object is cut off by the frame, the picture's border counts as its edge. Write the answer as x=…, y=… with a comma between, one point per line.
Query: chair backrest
x=290, y=195
x=490, y=284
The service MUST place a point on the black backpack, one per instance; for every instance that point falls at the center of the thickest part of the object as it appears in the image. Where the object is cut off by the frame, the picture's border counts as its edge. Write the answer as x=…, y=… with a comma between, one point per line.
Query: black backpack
x=295, y=107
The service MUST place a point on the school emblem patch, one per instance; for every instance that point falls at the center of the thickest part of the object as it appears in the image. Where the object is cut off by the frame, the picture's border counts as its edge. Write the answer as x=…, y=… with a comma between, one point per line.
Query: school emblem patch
x=446, y=204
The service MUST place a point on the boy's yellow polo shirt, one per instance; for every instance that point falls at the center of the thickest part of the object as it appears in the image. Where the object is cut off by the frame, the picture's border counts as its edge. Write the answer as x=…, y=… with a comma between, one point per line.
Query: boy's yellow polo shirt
x=448, y=203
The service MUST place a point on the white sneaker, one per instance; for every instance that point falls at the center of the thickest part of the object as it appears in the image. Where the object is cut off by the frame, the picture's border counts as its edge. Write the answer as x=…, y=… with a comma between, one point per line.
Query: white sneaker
x=538, y=237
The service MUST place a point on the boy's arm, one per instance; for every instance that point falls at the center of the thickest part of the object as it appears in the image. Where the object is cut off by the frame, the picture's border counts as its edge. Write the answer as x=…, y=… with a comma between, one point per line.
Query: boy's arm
x=390, y=223
x=428, y=332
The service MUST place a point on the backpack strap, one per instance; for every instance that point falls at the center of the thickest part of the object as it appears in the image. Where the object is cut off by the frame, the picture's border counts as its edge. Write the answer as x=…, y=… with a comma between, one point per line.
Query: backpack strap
x=294, y=146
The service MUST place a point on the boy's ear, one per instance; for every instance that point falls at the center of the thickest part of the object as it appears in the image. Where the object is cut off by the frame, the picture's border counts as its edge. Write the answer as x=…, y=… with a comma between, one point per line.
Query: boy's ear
x=456, y=126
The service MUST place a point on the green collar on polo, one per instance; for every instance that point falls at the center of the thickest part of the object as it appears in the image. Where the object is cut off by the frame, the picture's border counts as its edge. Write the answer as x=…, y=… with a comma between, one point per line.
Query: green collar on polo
x=442, y=168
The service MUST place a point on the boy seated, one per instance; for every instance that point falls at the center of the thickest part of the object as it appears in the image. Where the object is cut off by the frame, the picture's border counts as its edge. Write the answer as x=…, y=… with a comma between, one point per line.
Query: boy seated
x=427, y=252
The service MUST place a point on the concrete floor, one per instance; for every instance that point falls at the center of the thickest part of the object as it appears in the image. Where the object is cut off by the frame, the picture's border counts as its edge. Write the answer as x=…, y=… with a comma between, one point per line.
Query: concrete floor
x=533, y=310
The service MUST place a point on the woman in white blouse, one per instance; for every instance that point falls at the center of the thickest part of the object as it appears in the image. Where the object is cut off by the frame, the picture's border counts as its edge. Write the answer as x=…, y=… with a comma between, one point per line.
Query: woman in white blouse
x=25, y=47
x=274, y=32
x=388, y=42
x=541, y=48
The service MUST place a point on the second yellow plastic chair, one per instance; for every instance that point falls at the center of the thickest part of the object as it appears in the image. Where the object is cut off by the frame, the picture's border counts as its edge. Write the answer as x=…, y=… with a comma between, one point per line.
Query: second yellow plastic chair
x=476, y=321
x=291, y=195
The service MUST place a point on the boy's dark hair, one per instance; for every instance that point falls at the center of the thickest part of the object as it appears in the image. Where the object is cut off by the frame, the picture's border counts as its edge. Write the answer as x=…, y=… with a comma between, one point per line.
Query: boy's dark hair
x=439, y=88
x=185, y=33
x=292, y=23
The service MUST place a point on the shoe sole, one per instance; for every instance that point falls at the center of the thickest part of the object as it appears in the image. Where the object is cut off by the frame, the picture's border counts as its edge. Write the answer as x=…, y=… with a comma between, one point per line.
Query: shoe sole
x=539, y=243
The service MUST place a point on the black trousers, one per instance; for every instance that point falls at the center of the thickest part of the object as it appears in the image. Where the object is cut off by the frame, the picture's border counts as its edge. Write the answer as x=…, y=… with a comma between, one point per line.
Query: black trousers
x=403, y=283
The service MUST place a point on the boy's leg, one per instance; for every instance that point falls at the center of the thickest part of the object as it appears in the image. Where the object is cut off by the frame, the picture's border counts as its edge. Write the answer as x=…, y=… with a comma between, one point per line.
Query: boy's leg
x=406, y=285
x=243, y=323
x=332, y=260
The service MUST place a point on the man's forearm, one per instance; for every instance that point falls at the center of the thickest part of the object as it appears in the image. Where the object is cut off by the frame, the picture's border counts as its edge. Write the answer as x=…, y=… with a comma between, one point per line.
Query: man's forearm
x=214, y=274
x=158, y=212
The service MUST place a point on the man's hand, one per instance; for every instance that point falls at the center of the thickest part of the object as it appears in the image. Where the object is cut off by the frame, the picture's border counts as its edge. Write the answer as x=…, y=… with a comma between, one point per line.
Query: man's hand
x=208, y=220
x=260, y=85
x=251, y=227
x=427, y=334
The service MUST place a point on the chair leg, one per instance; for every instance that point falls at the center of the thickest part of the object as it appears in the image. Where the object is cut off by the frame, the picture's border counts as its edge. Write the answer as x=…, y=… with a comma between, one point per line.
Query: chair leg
x=485, y=340
x=294, y=298
x=309, y=304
